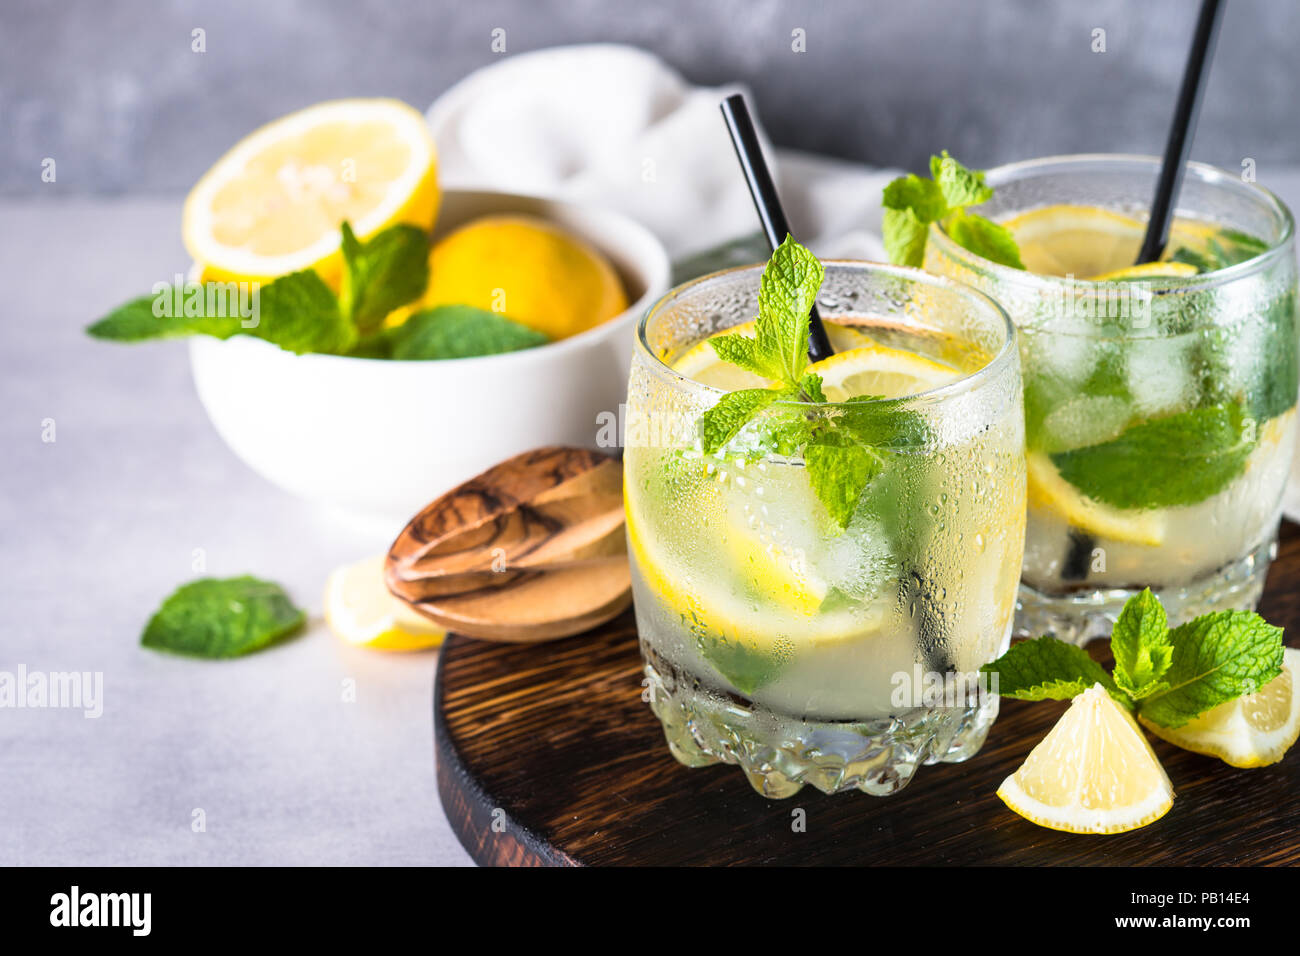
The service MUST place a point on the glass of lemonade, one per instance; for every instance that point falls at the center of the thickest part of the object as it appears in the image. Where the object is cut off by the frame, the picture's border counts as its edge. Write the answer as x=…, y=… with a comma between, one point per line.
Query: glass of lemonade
x=776, y=638
x=1159, y=400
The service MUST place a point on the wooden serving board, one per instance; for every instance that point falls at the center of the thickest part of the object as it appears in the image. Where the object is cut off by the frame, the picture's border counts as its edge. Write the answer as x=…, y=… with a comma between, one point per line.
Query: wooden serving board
x=547, y=755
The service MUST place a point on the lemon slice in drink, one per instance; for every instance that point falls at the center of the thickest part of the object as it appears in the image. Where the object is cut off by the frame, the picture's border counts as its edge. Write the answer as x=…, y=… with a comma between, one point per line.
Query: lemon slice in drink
x=1076, y=240
x=701, y=364
x=1254, y=730
x=1049, y=491
x=1149, y=270
x=273, y=204
x=360, y=609
x=877, y=370
x=1093, y=773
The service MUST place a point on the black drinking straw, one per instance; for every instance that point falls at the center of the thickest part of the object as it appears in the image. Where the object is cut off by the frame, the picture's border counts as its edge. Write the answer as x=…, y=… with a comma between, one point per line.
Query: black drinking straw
x=1181, y=130
x=763, y=191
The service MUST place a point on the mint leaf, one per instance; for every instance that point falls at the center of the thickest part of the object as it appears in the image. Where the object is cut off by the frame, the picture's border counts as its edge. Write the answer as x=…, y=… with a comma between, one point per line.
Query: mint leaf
x=382, y=274
x=924, y=198
x=959, y=186
x=734, y=410
x=986, y=238
x=1048, y=669
x=786, y=295
x=745, y=352
x=299, y=313
x=1216, y=657
x=884, y=424
x=904, y=234
x=139, y=320
x=215, y=617
x=1164, y=462
x=451, y=332
x=811, y=385
x=839, y=470
x=1141, y=646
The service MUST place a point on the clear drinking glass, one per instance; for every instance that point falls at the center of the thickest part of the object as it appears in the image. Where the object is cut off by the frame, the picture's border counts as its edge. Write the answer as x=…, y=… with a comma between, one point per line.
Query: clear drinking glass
x=777, y=640
x=1159, y=411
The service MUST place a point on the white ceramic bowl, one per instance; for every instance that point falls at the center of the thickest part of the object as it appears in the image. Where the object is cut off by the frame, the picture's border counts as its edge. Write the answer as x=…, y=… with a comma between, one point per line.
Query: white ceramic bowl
x=381, y=439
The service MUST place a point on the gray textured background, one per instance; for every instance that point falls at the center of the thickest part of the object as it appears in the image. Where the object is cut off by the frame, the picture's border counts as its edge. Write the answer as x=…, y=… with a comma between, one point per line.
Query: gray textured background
x=112, y=91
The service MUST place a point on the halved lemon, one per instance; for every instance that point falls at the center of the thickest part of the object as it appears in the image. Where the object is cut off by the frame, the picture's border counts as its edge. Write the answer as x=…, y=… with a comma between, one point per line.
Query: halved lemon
x=1093, y=773
x=1254, y=730
x=701, y=363
x=877, y=370
x=1049, y=491
x=360, y=609
x=273, y=204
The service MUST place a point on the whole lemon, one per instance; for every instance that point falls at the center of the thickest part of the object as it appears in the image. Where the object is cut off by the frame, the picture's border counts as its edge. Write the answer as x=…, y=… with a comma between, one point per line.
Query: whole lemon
x=528, y=270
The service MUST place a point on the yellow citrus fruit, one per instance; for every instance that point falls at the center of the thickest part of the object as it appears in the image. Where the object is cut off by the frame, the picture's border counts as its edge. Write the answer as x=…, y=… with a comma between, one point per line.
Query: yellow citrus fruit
x=701, y=363
x=360, y=609
x=877, y=370
x=1149, y=270
x=1048, y=491
x=274, y=203
x=528, y=270
x=1094, y=772
x=1254, y=730
x=1081, y=241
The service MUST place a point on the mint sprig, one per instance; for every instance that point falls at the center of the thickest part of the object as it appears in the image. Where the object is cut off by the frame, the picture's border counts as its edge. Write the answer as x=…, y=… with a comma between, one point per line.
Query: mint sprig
x=837, y=444
x=298, y=312
x=1168, y=677
x=912, y=204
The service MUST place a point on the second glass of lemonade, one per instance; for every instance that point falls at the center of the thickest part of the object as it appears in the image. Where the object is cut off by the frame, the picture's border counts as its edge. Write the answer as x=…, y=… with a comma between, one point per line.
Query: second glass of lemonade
x=775, y=638
x=1159, y=400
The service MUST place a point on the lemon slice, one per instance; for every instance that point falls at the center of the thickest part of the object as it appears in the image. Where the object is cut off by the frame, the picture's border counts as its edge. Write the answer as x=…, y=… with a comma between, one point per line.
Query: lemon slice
x=701, y=364
x=1049, y=491
x=1093, y=773
x=791, y=593
x=1076, y=240
x=1251, y=731
x=274, y=203
x=359, y=609
x=1150, y=270
x=876, y=370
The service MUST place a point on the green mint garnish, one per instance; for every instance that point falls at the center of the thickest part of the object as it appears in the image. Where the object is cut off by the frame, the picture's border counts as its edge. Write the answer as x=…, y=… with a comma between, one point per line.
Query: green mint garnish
x=1048, y=669
x=297, y=312
x=1216, y=658
x=838, y=445
x=1164, y=462
x=912, y=204
x=1141, y=646
x=383, y=274
x=222, y=617
x=450, y=332
x=1168, y=676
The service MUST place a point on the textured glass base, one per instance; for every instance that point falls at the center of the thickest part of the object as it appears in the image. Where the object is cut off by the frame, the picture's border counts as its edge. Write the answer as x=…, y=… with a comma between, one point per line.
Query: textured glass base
x=1082, y=616
x=780, y=753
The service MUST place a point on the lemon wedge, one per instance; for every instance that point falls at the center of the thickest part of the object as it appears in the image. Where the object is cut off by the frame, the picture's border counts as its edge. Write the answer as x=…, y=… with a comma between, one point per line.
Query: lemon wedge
x=1093, y=773
x=359, y=609
x=273, y=204
x=1049, y=491
x=877, y=370
x=1254, y=730
x=701, y=363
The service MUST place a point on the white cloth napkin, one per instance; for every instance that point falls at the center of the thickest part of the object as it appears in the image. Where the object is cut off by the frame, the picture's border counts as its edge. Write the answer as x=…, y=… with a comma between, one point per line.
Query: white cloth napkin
x=615, y=126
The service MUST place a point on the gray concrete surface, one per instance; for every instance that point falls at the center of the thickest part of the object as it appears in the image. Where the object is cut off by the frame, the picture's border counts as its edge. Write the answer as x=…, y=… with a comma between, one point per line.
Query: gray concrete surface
x=112, y=90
